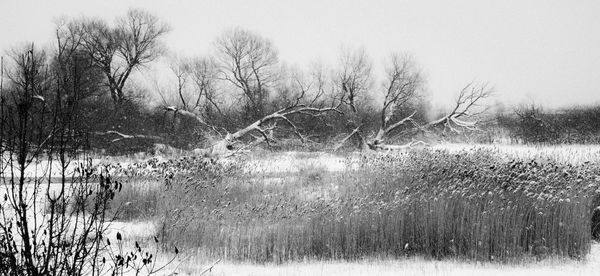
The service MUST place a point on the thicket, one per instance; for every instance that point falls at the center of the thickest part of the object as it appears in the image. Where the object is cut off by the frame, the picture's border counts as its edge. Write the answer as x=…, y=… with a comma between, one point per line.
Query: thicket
x=39, y=140
x=54, y=204
x=533, y=124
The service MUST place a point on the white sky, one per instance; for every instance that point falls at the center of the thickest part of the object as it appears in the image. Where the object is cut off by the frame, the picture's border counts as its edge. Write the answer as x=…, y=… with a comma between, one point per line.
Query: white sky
x=546, y=51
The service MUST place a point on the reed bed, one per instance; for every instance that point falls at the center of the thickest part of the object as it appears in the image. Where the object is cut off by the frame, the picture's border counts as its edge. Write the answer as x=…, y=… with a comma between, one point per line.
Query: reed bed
x=477, y=204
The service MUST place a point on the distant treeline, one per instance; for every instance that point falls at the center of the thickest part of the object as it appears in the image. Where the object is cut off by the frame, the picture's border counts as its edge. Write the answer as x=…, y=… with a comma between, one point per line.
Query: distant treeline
x=533, y=124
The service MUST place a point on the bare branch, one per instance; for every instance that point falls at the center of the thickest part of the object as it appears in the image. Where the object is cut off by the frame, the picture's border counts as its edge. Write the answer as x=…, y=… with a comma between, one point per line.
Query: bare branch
x=354, y=77
x=181, y=69
x=185, y=113
x=126, y=136
x=259, y=126
x=383, y=132
x=401, y=87
x=468, y=100
x=397, y=147
x=354, y=132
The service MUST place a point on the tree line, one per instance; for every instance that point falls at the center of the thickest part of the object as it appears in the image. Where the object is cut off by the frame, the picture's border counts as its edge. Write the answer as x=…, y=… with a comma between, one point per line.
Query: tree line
x=242, y=94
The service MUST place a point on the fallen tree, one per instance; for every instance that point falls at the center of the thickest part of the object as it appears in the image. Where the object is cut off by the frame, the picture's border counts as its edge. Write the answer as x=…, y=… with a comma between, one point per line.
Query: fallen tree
x=400, y=111
x=265, y=126
x=401, y=92
x=462, y=116
x=402, y=89
x=308, y=99
x=121, y=136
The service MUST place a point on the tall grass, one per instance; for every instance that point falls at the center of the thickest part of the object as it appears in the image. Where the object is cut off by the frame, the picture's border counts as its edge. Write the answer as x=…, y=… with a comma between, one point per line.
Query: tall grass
x=473, y=205
x=138, y=199
x=144, y=184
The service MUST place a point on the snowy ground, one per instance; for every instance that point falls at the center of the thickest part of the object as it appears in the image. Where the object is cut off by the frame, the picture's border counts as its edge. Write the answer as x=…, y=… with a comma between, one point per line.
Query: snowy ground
x=293, y=162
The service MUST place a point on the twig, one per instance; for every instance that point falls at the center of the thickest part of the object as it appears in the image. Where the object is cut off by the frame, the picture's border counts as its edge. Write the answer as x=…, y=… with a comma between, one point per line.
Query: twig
x=210, y=267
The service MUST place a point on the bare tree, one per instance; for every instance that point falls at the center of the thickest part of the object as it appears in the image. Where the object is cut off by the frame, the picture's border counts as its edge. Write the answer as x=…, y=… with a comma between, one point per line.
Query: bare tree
x=196, y=92
x=467, y=106
x=34, y=242
x=308, y=99
x=29, y=75
x=248, y=62
x=354, y=77
x=133, y=42
x=462, y=116
x=77, y=77
x=401, y=90
x=54, y=213
x=204, y=72
x=265, y=126
x=353, y=81
x=322, y=83
x=181, y=70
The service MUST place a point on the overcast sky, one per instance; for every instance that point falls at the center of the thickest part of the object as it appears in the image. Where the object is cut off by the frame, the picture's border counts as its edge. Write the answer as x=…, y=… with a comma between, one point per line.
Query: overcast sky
x=546, y=51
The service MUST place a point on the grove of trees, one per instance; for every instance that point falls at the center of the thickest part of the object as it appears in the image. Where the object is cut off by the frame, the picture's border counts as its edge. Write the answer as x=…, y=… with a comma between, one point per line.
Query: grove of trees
x=240, y=95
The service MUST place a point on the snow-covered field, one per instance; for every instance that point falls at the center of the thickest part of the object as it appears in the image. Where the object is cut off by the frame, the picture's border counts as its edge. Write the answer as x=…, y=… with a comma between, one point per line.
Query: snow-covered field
x=294, y=162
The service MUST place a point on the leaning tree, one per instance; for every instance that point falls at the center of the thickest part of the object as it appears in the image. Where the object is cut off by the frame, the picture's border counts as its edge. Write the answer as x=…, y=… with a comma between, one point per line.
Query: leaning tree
x=249, y=63
x=402, y=90
x=348, y=94
x=307, y=99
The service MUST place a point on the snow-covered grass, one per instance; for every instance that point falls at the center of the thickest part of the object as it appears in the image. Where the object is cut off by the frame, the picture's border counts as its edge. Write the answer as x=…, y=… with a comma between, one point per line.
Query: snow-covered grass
x=562, y=153
x=278, y=165
x=293, y=162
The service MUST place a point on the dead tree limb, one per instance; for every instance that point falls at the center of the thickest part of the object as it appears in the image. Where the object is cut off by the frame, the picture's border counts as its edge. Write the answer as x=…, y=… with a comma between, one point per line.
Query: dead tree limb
x=185, y=113
x=127, y=136
x=355, y=132
x=268, y=124
x=462, y=116
x=210, y=267
x=381, y=134
x=384, y=147
x=466, y=108
x=193, y=116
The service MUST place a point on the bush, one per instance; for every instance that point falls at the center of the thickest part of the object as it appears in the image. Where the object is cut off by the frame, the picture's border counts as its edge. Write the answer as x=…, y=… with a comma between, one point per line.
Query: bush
x=574, y=125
